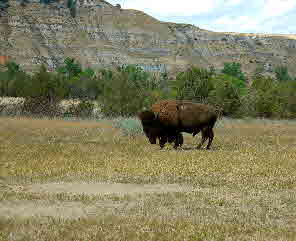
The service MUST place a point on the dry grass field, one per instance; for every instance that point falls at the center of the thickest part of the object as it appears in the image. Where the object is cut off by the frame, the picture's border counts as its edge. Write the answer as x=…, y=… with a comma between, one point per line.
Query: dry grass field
x=87, y=180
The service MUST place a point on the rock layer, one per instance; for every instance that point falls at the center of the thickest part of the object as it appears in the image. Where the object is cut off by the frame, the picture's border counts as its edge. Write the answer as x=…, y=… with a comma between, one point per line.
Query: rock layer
x=103, y=35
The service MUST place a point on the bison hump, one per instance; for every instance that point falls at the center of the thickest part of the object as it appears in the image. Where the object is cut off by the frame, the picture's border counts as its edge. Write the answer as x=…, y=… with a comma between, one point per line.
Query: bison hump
x=167, y=111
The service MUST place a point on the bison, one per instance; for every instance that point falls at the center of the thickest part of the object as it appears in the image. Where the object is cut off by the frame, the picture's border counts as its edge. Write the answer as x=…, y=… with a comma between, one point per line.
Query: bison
x=170, y=137
x=155, y=130
x=173, y=116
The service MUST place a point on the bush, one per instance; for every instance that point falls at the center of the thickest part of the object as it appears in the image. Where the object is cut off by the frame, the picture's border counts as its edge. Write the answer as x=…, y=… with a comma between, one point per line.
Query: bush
x=287, y=99
x=40, y=107
x=225, y=94
x=282, y=74
x=11, y=79
x=129, y=126
x=83, y=109
x=194, y=84
x=266, y=101
x=126, y=91
x=234, y=69
x=42, y=92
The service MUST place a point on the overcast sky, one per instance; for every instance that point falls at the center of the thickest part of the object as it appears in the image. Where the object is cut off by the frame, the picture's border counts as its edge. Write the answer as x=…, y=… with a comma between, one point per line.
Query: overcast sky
x=245, y=16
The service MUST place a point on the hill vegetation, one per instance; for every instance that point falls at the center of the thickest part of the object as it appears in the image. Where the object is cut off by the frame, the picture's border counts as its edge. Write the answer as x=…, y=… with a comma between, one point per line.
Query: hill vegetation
x=125, y=90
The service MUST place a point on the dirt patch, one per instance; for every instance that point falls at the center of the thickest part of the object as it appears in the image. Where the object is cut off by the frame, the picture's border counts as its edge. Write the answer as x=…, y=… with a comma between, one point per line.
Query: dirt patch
x=106, y=188
x=79, y=209
x=26, y=209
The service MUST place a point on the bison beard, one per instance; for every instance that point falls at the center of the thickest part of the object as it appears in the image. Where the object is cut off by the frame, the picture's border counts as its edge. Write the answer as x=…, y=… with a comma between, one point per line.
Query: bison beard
x=171, y=117
x=155, y=130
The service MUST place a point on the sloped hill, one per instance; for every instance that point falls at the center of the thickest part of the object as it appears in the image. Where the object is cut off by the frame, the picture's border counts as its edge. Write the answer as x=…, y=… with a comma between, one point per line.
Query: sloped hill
x=103, y=35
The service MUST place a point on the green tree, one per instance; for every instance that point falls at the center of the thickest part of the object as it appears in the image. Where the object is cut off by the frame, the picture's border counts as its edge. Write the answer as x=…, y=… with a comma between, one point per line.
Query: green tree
x=282, y=74
x=18, y=84
x=43, y=91
x=234, y=69
x=84, y=85
x=194, y=84
x=287, y=99
x=226, y=94
x=126, y=90
x=70, y=68
x=266, y=98
x=8, y=77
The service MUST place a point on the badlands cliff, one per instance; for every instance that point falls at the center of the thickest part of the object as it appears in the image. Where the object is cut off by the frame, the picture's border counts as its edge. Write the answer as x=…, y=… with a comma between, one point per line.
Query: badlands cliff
x=103, y=35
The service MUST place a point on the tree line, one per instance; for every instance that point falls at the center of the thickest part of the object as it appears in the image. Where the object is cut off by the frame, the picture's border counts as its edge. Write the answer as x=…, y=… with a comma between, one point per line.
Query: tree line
x=125, y=90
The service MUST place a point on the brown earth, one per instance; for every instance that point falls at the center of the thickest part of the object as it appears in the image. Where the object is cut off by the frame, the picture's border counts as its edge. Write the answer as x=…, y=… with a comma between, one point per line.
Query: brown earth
x=79, y=209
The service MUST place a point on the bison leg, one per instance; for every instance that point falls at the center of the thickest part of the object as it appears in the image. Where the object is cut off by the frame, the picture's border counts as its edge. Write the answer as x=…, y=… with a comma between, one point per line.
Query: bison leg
x=205, y=136
x=179, y=140
x=162, y=141
x=171, y=138
x=211, y=137
x=195, y=132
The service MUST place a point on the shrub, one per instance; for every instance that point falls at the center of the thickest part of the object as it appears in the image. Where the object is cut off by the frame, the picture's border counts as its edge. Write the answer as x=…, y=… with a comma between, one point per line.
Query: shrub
x=194, y=84
x=282, y=74
x=40, y=106
x=234, y=69
x=225, y=94
x=266, y=101
x=287, y=99
x=70, y=67
x=42, y=92
x=11, y=78
x=83, y=109
x=126, y=90
x=129, y=126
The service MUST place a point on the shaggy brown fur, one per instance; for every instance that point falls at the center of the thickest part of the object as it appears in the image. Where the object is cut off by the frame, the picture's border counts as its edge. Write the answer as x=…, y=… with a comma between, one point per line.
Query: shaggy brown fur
x=186, y=116
x=154, y=130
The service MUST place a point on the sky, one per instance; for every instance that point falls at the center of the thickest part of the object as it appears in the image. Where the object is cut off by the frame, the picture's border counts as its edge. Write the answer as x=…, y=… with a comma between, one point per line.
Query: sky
x=244, y=16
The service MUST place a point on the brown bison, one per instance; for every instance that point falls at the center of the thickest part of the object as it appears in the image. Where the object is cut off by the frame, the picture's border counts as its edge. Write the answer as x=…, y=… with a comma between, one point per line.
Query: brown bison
x=155, y=130
x=172, y=116
x=170, y=137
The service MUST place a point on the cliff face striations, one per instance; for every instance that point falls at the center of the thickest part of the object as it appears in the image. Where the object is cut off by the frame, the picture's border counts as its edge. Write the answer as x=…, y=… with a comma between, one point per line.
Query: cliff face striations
x=103, y=35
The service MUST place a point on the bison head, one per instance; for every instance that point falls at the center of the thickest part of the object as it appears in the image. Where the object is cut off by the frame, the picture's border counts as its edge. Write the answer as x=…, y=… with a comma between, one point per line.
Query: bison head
x=151, y=125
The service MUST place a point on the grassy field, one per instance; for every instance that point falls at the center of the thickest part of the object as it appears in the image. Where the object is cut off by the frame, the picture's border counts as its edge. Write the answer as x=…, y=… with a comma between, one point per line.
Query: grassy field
x=89, y=180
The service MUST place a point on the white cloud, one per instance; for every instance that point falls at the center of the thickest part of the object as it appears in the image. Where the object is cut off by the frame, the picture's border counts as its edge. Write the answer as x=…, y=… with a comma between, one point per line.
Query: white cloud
x=233, y=2
x=274, y=8
x=232, y=24
x=268, y=14
x=256, y=16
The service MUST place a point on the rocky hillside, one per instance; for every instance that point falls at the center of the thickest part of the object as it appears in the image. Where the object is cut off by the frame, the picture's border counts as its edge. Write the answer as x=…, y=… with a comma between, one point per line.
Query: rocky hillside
x=102, y=35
